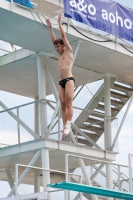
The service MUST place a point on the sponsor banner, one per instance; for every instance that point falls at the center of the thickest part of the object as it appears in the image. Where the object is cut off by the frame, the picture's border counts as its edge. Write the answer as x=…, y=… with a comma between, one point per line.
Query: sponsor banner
x=105, y=15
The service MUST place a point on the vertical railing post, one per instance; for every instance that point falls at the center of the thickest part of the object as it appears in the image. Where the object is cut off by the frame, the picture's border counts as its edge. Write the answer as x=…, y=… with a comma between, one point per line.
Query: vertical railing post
x=130, y=172
x=59, y=124
x=18, y=125
x=16, y=182
x=107, y=129
x=69, y=180
x=119, y=177
x=67, y=174
x=66, y=166
x=81, y=183
x=36, y=117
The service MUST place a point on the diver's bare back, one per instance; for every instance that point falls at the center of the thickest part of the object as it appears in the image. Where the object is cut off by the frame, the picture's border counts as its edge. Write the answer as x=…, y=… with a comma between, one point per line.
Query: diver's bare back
x=65, y=64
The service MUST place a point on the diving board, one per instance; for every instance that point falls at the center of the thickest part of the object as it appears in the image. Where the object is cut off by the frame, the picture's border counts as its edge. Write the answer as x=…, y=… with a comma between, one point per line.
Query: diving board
x=92, y=190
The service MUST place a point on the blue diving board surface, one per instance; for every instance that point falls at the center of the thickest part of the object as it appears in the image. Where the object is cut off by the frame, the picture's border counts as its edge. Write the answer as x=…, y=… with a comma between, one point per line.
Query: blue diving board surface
x=92, y=190
x=25, y=3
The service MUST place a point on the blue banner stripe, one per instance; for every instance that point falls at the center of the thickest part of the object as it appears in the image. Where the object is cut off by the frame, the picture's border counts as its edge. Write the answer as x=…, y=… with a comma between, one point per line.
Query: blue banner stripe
x=105, y=15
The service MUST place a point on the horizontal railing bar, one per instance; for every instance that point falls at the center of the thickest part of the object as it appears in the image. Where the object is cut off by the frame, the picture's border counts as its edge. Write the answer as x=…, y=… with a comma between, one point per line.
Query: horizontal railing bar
x=101, y=161
x=27, y=104
x=52, y=170
x=111, y=117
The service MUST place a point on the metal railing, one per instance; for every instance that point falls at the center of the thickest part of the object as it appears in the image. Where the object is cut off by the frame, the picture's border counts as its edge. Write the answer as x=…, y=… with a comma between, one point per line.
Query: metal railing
x=21, y=123
x=98, y=177
x=130, y=163
x=26, y=189
x=79, y=175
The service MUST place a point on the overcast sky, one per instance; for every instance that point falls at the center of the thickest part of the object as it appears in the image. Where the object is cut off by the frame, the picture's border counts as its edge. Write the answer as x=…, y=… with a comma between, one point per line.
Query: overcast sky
x=128, y=3
x=126, y=136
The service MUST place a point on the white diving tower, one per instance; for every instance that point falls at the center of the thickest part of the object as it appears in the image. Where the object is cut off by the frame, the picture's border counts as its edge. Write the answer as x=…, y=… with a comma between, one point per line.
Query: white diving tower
x=32, y=72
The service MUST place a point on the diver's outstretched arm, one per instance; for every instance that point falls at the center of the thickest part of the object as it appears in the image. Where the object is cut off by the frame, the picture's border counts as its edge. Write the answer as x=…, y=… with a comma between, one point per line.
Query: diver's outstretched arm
x=63, y=35
x=53, y=37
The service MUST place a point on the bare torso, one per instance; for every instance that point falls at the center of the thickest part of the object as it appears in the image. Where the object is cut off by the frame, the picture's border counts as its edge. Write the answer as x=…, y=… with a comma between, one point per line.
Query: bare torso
x=65, y=64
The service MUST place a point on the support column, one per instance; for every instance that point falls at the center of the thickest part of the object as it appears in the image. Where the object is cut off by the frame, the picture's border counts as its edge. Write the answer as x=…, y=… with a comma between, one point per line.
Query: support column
x=36, y=182
x=43, y=121
x=46, y=174
x=107, y=130
x=42, y=95
x=36, y=117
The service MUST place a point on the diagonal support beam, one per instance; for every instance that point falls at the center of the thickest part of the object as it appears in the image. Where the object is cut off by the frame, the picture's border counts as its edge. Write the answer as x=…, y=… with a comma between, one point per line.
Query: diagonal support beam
x=54, y=115
x=20, y=121
x=50, y=80
x=50, y=105
x=96, y=172
x=122, y=122
x=77, y=197
x=87, y=179
x=85, y=136
x=34, y=159
x=78, y=91
x=92, y=105
x=9, y=177
x=76, y=50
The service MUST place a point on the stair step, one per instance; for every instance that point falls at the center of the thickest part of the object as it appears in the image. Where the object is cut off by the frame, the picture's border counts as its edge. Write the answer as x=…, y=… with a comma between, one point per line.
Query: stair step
x=92, y=128
x=97, y=114
x=85, y=142
x=93, y=136
x=118, y=95
x=124, y=83
x=121, y=88
x=115, y=102
x=95, y=121
x=101, y=107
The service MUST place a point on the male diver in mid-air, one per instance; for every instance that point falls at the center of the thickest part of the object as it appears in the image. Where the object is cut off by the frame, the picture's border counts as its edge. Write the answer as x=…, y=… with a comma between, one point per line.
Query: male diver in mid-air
x=66, y=83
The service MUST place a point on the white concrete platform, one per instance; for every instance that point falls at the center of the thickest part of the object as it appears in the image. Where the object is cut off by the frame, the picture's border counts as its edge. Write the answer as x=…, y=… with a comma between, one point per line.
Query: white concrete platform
x=23, y=154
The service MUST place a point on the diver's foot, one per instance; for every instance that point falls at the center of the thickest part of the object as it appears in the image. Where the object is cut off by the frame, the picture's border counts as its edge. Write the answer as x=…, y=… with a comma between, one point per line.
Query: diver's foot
x=67, y=130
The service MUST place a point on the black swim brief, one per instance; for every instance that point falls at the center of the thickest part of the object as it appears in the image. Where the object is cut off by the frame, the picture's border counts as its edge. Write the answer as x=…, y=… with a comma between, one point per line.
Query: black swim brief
x=62, y=83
